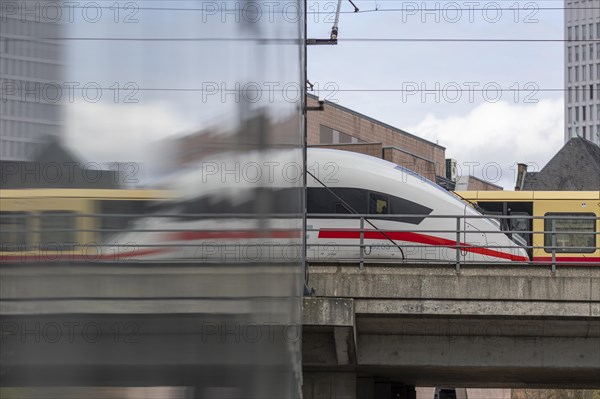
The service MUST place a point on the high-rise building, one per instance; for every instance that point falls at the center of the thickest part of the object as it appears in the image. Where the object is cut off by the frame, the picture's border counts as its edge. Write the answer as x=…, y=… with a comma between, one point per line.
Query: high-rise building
x=582, y=69
x=30, y=72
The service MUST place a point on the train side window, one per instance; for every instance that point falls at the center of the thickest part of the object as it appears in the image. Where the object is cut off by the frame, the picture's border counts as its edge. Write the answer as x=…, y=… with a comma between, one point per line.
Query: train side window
x=57, y=230
x=13, y=231
x=378, y=204
x=341, y=208
x=578, y=236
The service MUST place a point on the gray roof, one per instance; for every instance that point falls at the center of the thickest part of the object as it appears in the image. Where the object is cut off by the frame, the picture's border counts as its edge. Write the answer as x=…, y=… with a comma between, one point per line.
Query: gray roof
x=575, y=167
x=55, y=166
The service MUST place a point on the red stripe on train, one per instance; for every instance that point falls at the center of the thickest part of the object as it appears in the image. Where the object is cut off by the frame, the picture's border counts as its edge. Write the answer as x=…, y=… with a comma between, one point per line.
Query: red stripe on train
x=574, y=259
x=226, y=234
x=62, y=257
x=417, y=238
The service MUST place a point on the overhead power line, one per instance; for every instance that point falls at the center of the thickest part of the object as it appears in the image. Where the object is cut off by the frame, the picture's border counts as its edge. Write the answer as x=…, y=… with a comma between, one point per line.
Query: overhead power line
x=295, y=41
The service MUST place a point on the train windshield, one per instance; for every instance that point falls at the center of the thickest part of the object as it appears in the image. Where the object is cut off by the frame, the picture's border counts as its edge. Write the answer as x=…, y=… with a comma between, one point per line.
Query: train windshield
x=517, y=239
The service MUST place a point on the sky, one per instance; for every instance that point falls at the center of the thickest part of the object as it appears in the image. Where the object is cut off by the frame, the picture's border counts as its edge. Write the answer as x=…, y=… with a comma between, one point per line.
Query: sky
x=485, y=130
x=444, y=91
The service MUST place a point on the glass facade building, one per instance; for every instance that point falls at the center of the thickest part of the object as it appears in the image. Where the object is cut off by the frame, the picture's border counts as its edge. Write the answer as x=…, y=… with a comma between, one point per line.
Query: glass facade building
x=582, y=69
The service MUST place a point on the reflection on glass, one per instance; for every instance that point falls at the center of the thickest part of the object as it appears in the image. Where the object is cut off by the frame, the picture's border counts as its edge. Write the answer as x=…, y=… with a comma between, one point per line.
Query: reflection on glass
x=153, y=199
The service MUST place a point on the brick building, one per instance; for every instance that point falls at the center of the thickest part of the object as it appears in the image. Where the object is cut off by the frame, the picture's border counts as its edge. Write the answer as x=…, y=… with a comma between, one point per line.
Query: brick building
x=340, y=127
x=333, y=127
x=472, y=183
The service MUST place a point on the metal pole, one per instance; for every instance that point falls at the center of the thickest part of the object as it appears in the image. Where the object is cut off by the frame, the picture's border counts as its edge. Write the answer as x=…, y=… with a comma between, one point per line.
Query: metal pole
x=362, y=242
x=304, y=142
x=553, y=246
x=458, y=244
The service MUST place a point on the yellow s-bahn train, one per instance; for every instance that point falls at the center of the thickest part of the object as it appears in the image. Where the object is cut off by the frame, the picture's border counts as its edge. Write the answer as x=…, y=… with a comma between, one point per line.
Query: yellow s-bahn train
x=45, y=225
x=563, y=225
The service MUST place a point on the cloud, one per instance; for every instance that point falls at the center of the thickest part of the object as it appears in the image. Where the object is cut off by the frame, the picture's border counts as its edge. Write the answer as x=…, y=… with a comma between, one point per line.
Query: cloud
x=104, y=132
x=490, y=139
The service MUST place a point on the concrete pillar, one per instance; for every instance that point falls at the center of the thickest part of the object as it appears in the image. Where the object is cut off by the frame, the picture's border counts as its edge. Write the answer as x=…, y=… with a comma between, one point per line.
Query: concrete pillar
x=329, y=385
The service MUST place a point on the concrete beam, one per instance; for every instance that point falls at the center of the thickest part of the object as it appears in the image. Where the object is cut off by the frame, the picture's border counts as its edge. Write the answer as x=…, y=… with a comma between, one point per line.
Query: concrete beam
x=481, y=308
x=475, y=282
x=148, y=281
x=508, y=353
x=317, y=311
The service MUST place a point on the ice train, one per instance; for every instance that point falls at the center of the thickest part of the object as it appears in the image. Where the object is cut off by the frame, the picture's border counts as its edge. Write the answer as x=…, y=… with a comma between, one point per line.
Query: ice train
x=404, y=217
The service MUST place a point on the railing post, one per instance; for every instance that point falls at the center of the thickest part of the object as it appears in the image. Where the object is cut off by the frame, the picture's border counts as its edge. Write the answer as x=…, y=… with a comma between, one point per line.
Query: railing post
x=553, y=246
x=362, y=242
x=458, y=244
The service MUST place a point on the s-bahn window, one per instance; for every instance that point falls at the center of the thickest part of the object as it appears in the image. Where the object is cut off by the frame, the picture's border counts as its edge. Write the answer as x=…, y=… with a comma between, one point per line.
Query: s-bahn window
x=378, y=204
x=57, y=230
x=13, y=231
x=520, y=224
x=572, y=235
x=117, y=214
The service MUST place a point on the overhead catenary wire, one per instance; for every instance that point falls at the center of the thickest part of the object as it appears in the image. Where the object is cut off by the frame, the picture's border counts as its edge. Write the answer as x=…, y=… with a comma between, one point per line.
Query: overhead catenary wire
x=376, y=10
x=296, y=41
x=254, y=89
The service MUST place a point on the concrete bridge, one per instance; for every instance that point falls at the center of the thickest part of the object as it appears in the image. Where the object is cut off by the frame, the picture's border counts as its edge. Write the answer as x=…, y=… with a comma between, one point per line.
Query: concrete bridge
x=379, y=331
x=375, y=332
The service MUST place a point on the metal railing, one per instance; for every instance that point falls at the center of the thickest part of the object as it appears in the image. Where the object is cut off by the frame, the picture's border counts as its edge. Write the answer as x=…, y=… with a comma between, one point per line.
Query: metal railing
x=460, y=229
x=18, y=227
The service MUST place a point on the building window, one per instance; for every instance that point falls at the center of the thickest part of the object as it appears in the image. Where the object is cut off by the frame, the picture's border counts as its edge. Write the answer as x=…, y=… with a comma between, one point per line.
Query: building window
x=569, y=50
x=328, y=135
x=583, y=113
x=325, y=135
x=583, y=132
x=591, y=92
x=344, y=138
x=576, y=53
x=569, y=95
x=591, y=32
x=569, y=33
x=576, y=74
x=583, y=31
x=569, y=74
x=583, y=72
x=569, y=116
x=583, y=52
